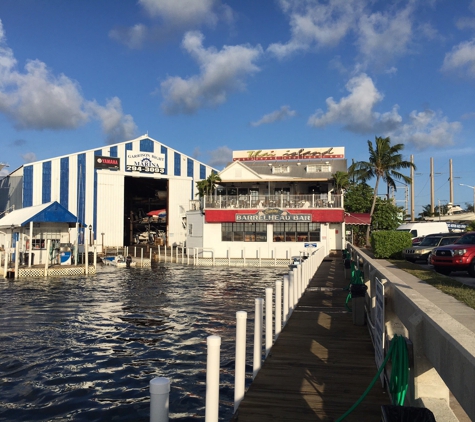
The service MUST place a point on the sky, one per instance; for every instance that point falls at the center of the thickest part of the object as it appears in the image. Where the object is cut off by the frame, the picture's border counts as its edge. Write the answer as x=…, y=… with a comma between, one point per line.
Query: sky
x=207, y=77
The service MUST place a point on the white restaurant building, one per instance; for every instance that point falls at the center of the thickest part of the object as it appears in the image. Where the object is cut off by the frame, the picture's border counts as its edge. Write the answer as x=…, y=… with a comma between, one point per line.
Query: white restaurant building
x=272, y=204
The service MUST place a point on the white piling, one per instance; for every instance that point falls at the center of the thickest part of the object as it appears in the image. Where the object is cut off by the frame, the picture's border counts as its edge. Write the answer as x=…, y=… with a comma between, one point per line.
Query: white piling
x=212, y=379
x=159, y=399
x=295, y=283
x=286, y=298
x=17, y=258
x=291, y=294
x=278, y=308
x=268, y=320
x=259, y=304
x=240, y=362
x=47, y=257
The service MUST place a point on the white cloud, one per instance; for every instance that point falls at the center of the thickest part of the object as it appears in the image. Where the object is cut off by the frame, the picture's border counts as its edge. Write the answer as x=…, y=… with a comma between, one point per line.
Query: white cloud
x=317, y=24
x=133, y=37
x=183, y=12
x=277, y=115
x=354, y=112
x=172, y=17
x=427, y=129
x=36, y=99
x=116, y=126
x=220, y=157
x=221, y=72
x=381, y=36
x=461, y=58
x=29, y=157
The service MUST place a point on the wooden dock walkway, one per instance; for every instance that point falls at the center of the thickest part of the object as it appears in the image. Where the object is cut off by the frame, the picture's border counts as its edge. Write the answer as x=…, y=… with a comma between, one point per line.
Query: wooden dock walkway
x=321, y=363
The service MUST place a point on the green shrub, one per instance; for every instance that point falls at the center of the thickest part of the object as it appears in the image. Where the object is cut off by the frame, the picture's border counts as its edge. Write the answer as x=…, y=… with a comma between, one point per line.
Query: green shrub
x=390, y=243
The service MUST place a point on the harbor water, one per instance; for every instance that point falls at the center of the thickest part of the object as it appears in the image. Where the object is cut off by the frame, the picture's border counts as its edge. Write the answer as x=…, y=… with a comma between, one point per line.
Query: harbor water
x=86, y=348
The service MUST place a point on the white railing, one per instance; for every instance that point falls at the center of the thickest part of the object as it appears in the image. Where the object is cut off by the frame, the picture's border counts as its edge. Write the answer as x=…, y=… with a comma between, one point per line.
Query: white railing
x=301, y=276
x=268, y=201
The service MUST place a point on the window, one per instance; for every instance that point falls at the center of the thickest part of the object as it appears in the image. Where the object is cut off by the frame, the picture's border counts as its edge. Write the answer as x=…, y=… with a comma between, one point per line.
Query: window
x=42, y=243
x=280, y=169
x=318, y=168
x=296, y=232
x=244, y=232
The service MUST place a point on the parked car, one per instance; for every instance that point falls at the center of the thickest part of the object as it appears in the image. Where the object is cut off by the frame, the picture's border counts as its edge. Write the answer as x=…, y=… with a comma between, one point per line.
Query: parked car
x=460, y=256
x=424, y=248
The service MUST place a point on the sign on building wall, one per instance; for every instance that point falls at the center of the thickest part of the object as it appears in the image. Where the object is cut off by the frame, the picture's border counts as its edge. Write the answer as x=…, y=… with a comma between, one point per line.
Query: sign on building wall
x=111, y=163
x=273, y=215
x=289, y=154
x=145, y=162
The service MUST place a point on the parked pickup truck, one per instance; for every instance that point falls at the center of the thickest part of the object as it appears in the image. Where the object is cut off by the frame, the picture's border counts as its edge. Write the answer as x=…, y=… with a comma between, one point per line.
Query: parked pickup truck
x=460, y=256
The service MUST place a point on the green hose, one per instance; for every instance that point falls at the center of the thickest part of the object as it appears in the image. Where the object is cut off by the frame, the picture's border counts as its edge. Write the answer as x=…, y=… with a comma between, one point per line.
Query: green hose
x=399, y=375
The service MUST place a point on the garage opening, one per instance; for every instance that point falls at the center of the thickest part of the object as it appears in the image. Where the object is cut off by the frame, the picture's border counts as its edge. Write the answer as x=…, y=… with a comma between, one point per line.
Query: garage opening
x=145, y=210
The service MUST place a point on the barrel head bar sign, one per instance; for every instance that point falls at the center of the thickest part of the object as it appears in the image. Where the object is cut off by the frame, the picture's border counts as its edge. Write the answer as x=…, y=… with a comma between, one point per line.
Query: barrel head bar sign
x=273, y=215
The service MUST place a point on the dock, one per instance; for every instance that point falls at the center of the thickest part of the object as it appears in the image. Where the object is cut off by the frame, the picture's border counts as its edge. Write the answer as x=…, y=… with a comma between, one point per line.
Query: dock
x=321, y=363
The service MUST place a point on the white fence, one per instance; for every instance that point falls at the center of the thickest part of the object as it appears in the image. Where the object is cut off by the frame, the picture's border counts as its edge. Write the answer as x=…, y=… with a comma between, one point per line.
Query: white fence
x=282, y=299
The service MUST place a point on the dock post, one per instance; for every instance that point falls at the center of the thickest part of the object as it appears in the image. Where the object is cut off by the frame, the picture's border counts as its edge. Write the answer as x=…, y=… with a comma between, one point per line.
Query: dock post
x=212, y=379
x=291, y=294
x=268, y=320
x=240, y=363
x=258, y=317
x=286, y=298
x=47, y=257
x=278, y=308
x=17, y=260
x=159, y=399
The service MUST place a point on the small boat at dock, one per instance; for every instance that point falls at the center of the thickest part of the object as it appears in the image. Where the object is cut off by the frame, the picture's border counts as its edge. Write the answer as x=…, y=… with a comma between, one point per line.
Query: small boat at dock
x=119, y=261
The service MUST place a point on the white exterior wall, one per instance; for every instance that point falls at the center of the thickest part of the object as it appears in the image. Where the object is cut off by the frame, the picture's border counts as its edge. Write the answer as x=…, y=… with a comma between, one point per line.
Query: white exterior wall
x=110, y=207
x=37, y=183
x=195, y=224
x=179, y=195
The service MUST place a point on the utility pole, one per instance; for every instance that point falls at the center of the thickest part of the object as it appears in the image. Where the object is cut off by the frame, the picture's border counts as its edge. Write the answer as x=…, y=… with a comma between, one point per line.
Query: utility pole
x=412, y=190
x=451, y=182
x=431, y=185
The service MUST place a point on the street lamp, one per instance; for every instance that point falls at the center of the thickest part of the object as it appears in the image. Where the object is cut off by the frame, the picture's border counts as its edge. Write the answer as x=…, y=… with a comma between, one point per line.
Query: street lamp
x=471, y=187
x=90, y=235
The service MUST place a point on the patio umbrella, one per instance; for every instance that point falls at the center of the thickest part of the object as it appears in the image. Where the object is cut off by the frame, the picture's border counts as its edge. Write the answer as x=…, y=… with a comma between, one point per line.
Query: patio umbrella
x=159, y=213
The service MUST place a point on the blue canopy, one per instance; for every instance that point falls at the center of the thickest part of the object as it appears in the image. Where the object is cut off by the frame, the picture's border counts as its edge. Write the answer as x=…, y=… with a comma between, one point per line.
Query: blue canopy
x=51, y=212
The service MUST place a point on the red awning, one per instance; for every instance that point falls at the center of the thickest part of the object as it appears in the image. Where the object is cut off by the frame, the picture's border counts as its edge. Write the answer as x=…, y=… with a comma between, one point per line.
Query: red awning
x=358, y=218
x=159, y=213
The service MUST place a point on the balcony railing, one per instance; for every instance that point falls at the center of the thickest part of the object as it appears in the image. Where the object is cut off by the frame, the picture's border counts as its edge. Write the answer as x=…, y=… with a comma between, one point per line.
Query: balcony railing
x=268, y=201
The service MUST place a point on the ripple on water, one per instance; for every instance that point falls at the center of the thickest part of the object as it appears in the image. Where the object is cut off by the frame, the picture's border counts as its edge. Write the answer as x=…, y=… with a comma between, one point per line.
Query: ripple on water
x=86, y=348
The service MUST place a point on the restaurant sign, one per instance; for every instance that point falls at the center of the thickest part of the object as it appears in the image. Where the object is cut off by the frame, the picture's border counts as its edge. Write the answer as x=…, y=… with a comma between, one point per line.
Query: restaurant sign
x=289, y=154
x=145, y=162
x=272, y=215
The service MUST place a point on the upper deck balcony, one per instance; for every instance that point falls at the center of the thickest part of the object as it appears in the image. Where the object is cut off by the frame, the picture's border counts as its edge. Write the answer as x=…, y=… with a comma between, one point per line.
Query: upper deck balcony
x=283, y=201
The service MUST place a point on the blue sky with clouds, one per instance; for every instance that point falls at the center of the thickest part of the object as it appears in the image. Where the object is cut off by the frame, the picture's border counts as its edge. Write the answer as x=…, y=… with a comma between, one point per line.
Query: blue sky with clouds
x=207, y=77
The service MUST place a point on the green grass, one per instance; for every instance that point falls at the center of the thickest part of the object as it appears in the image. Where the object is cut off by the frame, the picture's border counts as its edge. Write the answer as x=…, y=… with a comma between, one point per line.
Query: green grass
x=454, y=288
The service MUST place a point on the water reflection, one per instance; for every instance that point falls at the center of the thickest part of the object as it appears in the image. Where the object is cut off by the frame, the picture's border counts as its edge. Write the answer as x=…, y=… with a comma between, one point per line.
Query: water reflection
x=86, y=348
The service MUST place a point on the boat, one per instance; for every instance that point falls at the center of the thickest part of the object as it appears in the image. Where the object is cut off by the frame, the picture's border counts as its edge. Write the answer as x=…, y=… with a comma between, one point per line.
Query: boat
x=119, y=261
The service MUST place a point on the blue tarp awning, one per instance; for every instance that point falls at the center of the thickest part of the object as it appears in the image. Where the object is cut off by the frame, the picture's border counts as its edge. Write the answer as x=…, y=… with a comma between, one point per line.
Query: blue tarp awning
x=51, y=212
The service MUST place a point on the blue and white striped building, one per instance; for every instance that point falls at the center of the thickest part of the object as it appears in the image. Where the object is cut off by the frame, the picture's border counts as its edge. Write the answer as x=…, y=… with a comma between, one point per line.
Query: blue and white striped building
x=91, y=185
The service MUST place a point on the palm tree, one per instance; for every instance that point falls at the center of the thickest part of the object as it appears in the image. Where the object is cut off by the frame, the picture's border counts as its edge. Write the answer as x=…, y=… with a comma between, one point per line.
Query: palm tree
x=208, y=185
x=385, y=161
x=341, y=181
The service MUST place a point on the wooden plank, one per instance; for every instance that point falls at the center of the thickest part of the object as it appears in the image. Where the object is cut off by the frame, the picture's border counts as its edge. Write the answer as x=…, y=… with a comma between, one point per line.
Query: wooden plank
x=321, y=363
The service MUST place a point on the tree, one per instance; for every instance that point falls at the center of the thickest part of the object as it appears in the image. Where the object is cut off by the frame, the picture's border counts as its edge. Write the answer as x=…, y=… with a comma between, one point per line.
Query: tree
x=341, y=181
x=426, y=211
x=207, y=186
x=358, y=197
x=385, y=162
x=387, y=216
